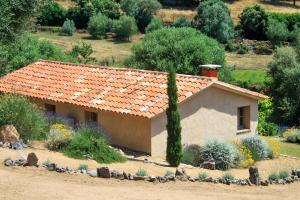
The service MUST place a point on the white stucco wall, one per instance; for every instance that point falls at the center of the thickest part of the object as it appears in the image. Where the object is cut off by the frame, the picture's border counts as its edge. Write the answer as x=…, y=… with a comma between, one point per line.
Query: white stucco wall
x=211, y=113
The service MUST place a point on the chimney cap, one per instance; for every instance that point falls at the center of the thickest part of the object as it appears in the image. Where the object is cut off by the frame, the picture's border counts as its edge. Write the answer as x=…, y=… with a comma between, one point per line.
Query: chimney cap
x=210, y=66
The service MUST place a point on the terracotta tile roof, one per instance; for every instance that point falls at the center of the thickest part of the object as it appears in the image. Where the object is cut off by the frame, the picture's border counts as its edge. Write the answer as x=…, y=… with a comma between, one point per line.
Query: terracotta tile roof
x=137, y=92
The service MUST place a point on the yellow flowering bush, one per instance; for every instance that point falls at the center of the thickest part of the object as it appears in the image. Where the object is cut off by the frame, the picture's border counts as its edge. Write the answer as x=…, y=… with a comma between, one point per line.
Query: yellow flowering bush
x=59, y=136
x=246, y=157
x=274, y=146
x=288, y=132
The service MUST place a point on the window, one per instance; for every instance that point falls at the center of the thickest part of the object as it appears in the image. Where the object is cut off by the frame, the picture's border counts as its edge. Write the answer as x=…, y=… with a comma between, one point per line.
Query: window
x=243, y=118
x=50, y=108
x=91, y=116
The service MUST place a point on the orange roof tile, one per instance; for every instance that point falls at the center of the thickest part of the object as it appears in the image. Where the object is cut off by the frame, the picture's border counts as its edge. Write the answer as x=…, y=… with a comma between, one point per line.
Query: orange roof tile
x=123, y=90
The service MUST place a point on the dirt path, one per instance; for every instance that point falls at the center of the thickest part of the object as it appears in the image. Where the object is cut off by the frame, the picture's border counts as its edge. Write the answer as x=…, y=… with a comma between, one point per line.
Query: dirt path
x=35, y=184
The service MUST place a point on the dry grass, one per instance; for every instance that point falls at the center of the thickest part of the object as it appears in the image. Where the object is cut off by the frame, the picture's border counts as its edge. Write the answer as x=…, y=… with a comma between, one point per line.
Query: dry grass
x=169, y=15
x=103, y=49
x=248, y=61
x=66, y=3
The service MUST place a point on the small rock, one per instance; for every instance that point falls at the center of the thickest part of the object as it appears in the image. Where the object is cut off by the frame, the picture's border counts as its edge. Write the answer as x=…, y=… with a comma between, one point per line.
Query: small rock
x=103, y=172
x=51, y=167
x=191, y=179
x=152, y=179
x=8, y=162
x=125, y=175
x=1, y=144
x=60, y=169
x=92, y=173
x=296, y=172
x=209, y=179
x=140, y=178
x=162, y=179
x=264, y=183
x=20, y=162
x=114, y=174
x=16, y=146
x=171, y=178
x=180, y=172
x=211, y=164
x=130, y=176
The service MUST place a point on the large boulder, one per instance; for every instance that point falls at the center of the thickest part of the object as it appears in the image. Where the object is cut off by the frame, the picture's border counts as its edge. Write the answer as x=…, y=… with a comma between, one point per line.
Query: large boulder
x=103, y=172
x=9, y=134
x=254, y=175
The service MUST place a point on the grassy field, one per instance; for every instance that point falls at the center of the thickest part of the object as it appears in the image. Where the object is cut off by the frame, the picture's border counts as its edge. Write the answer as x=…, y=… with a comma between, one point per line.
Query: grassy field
x=286, y=148
x=251, y=76
x=103, y=49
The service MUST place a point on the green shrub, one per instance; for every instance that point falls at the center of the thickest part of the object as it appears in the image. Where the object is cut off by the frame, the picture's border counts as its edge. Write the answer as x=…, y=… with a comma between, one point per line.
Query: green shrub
x=242, y=49
x=25, y=116
x=142, y=10
x=294, y=137
x=88, y=142
x=68, y=27
x=181, y=22
x=265, y=126
x=169, y=173
x=83, y=51
x=230, y=46
x=81, y=13
x=109, y=8
x=51, y=14
x=283, y=174
x=155, y=24
x=191, y=155
x=254, y=22
x=59, y=137
x=224, y=154
x=227, y=177
x=189, y=49
x=258, y=147
x=98, y=26
x=291, y=20
x=202, y=176
x=141, y=172
x=277, y=32
x=213, y=18
x=273, y=177
x=83, y=167
x=125, y=27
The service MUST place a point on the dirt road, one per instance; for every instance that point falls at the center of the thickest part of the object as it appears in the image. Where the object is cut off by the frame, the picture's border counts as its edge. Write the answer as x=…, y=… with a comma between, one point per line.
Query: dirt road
x=30, y=183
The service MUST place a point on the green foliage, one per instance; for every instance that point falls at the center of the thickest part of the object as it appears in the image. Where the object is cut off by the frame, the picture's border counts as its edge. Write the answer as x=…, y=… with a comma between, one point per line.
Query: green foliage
x=258, y=147
x=25, y=116
x=142, y=10
x=68, y=28
x=254, y=22
x=294, y=137
x=183, y=48
x=273, y=177
x=81, y=13
x=180, y=2
x=59, y=137
x=174, y=147
x=83, y=167
x=277, y=32
x=26, y=50
x=202, y=176
x=181, y=22
x=15, y=17
x=155, y=24
x=169, y=173
x=125, y=27
x=291, y=20
x=51, y=14
x=265, y=126
x=227, y=177
x=213, y=18
x=83, y=51
x=191, y=155
x=109, y=8
x=88, y=142
x=141, y=172
x=242, y=49
x=223, y=153
x=283, y=174
x=284, y=86
x=98, y=26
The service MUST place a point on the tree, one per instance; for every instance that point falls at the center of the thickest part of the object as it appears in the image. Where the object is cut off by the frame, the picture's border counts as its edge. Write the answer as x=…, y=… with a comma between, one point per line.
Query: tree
x=254, y=22
x=184, y=48
x=174, y=146
x=51, y=14
x=109, y=8
x=68, y=28
x=83, y=51
x=125, y=27
x=213, y=18
x=142, y=10
x=155, y=24
x=284, y=86
x=277, y=32
x=98, y=25
x=14, y=17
